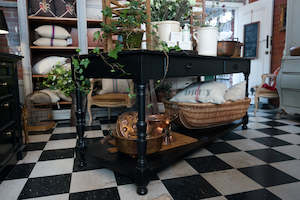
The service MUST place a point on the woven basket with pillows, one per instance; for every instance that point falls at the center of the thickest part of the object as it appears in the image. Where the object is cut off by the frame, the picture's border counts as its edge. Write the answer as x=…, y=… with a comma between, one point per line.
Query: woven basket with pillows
x=208, y=105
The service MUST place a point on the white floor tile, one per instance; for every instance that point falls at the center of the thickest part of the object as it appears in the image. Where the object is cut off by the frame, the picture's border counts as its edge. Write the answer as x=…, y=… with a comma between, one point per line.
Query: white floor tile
x=291, y=150
x=289, y=128
x=287, y=191
x=247, y=144
x=155, y=189
x=291, y=167
x=262, y=114
x=93, y=134
x=92, y=180
x=259, y=119
x=108, y=126
x=53, y=197
x=31, y=157
x=200, y=153
x=178, y=170
x=60, y=144
x=10, y=190
x=65, y=130
x=39, y=138
x=230, y=181
x=256, y=125
x=52, y=167
x=251, y=133
x=240, y=159
x=291, y=138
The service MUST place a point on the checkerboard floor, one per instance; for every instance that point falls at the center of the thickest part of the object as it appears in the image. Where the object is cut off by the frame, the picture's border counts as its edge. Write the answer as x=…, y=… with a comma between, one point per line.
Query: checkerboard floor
x=259, y=163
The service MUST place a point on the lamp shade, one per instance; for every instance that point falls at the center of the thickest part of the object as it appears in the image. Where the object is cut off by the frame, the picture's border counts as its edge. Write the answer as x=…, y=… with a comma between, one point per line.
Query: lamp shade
x=3, y=25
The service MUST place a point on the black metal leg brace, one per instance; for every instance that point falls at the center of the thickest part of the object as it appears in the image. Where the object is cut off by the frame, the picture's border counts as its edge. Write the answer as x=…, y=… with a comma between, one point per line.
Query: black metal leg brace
x=246, y=117
x=141, y=177
x=80, y=126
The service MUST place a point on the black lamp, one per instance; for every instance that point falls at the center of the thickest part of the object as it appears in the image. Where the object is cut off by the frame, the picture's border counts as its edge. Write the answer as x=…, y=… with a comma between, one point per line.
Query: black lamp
x=3, y=25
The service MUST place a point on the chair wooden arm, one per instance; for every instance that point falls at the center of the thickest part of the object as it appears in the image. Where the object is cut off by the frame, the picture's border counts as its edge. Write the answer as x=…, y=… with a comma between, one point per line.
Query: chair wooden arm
x=264, y=77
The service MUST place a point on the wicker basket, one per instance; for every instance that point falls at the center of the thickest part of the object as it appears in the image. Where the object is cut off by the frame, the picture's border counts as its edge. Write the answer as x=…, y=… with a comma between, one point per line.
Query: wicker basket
x=204, y=115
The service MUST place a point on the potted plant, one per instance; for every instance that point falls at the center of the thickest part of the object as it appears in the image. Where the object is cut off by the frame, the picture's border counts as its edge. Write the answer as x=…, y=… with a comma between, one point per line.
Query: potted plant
x=128, y=25
x=168, y=15
x=60, y=79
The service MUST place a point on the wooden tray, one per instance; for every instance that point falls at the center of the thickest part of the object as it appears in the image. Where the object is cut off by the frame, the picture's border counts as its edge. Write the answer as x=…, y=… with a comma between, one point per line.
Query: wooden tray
x=179, y=140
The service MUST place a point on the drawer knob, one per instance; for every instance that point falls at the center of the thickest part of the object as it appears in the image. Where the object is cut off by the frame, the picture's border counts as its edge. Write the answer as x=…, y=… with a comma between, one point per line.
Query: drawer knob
x=3, y=84
x=188, y=66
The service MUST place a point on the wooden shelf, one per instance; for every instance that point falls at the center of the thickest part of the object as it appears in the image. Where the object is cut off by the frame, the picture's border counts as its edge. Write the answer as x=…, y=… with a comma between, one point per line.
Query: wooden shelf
x=60, y=103
x=53, y=48
x=53, y=20
x=94, y=23
x=39, y=75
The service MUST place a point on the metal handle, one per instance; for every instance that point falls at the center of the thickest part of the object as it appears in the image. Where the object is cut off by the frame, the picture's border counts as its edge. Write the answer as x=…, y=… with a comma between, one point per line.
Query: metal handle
x=188, y=66
x=3, y=84
x=267, y=41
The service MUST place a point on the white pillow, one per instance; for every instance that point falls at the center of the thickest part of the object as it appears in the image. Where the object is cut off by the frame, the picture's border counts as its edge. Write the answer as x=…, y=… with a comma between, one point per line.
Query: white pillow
x=211, y=92
x=236, y=92
x=50, y=42
x=114, y=86
x=52, y=31
x=54, y=98
x=188, y=94
x=45, y=65
x=62, y=96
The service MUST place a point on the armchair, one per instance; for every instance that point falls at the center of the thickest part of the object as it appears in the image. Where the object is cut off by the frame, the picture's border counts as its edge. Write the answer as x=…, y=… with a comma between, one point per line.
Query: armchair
x=109, y=100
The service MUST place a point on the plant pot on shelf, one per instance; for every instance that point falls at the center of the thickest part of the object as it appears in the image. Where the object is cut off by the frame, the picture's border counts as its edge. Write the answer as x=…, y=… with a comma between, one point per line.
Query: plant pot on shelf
x=132, y=39
x=207, y=40
x=164, y=29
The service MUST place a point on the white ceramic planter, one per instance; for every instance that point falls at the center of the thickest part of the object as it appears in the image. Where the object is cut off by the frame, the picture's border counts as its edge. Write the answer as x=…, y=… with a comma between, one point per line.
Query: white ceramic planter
x=164, y=29
x=207, y=40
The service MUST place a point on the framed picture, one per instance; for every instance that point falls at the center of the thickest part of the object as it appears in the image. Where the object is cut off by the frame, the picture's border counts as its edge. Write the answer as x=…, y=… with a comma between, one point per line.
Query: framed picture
x=282, y=17
x=251, y=40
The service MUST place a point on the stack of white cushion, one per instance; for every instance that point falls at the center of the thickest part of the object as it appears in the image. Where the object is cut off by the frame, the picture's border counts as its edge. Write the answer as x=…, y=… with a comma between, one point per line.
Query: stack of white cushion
x=52, y=35
x=211, y=92
x=45, y=65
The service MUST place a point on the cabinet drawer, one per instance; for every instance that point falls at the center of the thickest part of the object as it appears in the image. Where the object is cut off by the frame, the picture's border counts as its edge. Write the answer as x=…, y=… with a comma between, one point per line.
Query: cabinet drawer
x=233, y=66
x=5, y=87
x=6, y=69
x=6, y=112
x=194, y=67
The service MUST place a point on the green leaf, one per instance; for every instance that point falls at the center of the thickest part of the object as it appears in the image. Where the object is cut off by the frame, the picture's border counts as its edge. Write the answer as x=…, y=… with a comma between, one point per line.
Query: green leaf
x=81, y=78
x=78, y=50
x=96, y=50
x=97, y=35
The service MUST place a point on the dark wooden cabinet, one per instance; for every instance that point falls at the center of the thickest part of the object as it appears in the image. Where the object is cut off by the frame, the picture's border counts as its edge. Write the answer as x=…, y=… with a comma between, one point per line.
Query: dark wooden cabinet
x=11, y=142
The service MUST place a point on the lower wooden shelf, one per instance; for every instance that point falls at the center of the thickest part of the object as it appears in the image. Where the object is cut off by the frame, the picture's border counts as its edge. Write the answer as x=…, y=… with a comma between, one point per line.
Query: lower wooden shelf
x=98, y=156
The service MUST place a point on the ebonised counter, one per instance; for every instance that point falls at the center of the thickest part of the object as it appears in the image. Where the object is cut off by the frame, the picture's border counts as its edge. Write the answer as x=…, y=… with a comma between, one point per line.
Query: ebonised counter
x=142, y=66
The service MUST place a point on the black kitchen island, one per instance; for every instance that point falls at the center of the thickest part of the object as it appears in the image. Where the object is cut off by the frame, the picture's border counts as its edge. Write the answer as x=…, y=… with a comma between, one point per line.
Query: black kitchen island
x=142, y=66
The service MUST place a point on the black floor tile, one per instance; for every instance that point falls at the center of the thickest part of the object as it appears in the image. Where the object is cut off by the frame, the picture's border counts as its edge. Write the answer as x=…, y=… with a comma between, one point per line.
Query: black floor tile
x=62, y=125
x=57, y=154
x=232, y=136
x=102, y=194
x=123, y=180
x=190, y=188
x=271, y=141
x=221, y=147
x=45, y=186
x=63, y=136
x=262, y=194
x=40, y=132
x=270, y=155
x=35, y=146
x=91, y=128
x=20, y=171
x=108, y=121
x=267, y=175
x=272, y=131
x=91, y=165
x=274, y=123
x=208, y=164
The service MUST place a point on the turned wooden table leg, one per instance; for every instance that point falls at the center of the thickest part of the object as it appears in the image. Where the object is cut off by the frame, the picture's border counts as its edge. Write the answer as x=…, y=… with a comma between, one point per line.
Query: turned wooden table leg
x=246, y=117
x=80, y=126
x=141, y=168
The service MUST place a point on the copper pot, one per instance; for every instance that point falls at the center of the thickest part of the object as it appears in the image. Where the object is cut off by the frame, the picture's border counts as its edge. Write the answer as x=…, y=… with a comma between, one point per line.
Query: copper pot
x=229, y=48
